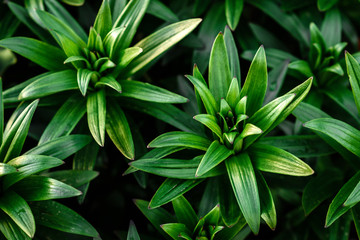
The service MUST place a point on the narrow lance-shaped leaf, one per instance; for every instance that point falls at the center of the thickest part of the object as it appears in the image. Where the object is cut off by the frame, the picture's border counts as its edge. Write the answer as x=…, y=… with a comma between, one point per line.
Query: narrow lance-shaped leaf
x=132, y=233
x=211, y=122
x=39, y=188
x=50, y=84
x=184, y=212
x=159, y=42
x=219, y=69
x=233, y=10
x=341, y=132
x=1, y=113
x=170, y=189
x=243, y=182
x=10, y=229
x=206, y=96
x=118, y=129
x=103, y=21
x=272, y=159
x=96, y=113
x=28, y=165
x=19, y=211
x=215, y=154
x=14, y=138
x=337, y=208
x=148, y=92
x=268, y=212
x=57, y=216
x=43, y=54
x=110, y=82
x=174, y=230
x=65, y=119
x=83, y=79
x=255, y=83
x=182, y=139
x=353, y=70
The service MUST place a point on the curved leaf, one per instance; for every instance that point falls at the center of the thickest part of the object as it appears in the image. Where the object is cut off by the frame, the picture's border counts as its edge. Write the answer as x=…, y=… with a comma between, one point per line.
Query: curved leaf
x=243, y=182
x=43, y=54
x=96, y=115
x=341, y=132
x=233, y=10
x=272, y=159
x=50, y=84
x=180, y=139
x=118, y=129
x=19, y=211
x=148, y=92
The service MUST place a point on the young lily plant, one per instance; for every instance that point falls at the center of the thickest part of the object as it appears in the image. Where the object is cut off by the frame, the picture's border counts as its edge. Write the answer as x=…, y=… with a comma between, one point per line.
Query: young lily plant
x=186, y=224
x=348, y=137
x=26, y=194
x=96, y=69
x=236, y=120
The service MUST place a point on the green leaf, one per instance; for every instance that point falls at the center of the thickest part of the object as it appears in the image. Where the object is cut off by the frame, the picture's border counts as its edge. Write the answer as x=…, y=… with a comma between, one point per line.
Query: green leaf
x=316, y=38
x=110, y=41
x=61, y=147
x=6, y=169
x=232, y=53
x=60, y=12
x=148, y=92
x=180, y=139
x=300, y=93
x=341, y=132
x=353, y=70
x=160, y=41
x=324, y=5
x=337, y=208
x=267, y=115
x=211, y=122
x=96, y=115
x=354, y=197
x=23, y=15
x=125, y=58
x=174, y=230
x=331, y=27
x=230, y=211
x=302, y=67
x=233, y=95
x=233, y=10
x=184, y=212
x=10, y=229
x=255, y=83
x=132, y=233
x=215, y=154
x=231, y=233
x=356, y=217
x=58, y=28
x=27, y=165
x=174, y=168
x=39, y=188
x=206, y=96
x=171, y=189
x=43, y=54
x=268, y=212
x=243, y=182
x=56, y=216
x=83, y=78
x=15, y=136
x=320, y=188
x=109, y=81
x=103, y=21
x=65, y=119
x=274, y=57
x=160, y=10
x=155, y=216
x=219, y=69
x=70, y=48
x=50, y=84
x=18, y=210
x=130, y=18
x=117, y=127
x=272, y=159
